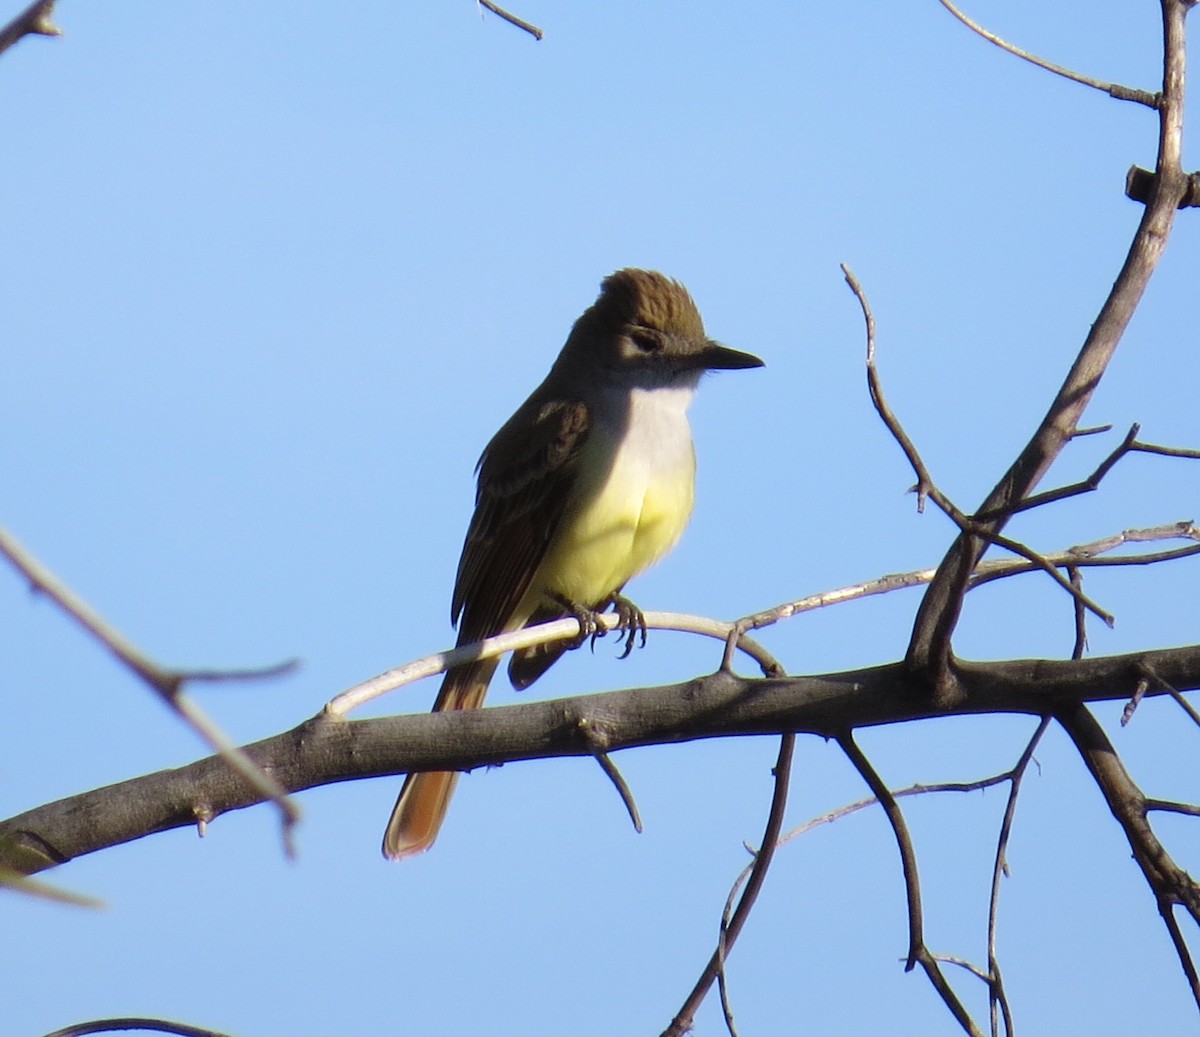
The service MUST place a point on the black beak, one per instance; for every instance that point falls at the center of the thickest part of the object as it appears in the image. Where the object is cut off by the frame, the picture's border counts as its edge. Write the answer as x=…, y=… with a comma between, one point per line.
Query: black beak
x=717, y=357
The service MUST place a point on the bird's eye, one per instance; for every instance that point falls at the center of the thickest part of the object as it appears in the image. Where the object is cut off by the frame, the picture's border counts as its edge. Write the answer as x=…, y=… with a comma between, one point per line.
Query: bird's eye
x=645, y=340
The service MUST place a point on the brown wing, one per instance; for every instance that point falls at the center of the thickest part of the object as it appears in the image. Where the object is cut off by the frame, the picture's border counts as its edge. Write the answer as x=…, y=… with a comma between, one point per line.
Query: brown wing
x=525, y=478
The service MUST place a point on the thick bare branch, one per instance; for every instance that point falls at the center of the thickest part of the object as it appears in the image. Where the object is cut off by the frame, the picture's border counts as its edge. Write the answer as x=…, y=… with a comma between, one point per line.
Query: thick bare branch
x=930, y=654
x=1169, y=883
x=325, y=750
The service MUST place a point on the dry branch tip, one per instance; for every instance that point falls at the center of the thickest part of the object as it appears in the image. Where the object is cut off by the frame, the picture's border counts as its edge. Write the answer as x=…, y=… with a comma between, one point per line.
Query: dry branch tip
x=512, y=19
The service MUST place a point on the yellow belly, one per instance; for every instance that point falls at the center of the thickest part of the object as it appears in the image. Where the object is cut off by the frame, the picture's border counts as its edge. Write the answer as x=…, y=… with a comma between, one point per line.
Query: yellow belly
x=619, y=528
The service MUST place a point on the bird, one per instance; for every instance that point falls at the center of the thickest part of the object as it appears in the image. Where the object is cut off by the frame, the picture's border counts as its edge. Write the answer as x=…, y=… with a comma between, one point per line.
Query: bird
x=588, y=483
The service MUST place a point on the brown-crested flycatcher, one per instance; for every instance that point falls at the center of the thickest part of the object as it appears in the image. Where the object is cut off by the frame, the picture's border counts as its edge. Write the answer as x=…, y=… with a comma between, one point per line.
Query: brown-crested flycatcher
x=587, y=484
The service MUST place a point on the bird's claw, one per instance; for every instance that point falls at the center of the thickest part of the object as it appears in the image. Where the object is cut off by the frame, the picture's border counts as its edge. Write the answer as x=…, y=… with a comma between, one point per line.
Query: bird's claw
x=589, y=625
x=630, y=622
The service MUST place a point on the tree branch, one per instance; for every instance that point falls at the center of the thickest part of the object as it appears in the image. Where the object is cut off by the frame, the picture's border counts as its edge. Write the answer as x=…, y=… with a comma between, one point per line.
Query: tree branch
x=512, y=19
x=1121, y=93
x=918, y=953
x=134, y=1023
x=166, y=684
x=1169, y=883
x=1140, y=182
x=997, y=997
x=732, y=922
x=930, y=654
x=325, y=750
x=36, y=20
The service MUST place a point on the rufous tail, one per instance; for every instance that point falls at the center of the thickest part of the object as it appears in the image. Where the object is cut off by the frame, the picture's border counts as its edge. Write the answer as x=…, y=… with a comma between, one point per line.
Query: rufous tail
x=419, y=811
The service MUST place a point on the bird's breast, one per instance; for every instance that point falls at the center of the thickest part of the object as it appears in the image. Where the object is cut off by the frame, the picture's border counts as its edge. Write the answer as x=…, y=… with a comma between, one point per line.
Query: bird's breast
x=632, y=500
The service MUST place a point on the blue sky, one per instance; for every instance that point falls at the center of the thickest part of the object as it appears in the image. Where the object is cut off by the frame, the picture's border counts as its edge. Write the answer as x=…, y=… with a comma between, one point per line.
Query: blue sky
x=274, y=273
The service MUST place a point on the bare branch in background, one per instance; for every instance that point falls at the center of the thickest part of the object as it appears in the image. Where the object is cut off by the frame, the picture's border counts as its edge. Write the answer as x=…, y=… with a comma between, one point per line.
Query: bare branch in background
x=930, y=682
x=930, y=654
x=733, y=919
x=36, y=20
x=1140, y=182
x=1130, y=444
x=543, y=633
x=512, y=19
x=135, y=1023
x=1121, y=93
x=167, y=684
x=1171, y=885
x=918, y=952
x=998, y=999
x=324, y=749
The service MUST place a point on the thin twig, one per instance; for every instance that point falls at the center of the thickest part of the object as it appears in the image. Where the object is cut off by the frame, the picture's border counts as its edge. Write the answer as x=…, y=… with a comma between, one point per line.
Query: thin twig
x=732, y=919
x=847, y=809
x=1080, y=645
x=732, y=922
x=14, y=880
x=36, y=20
x=1150, y=675
x=1088, y=485
x=1121, y=93
x=1167, y=806
x=618, y=779
x=134, y=1023
x=917, y=951
x=1040, y=562
x=512, y=19
x=251, y=673
x=916, y=789
x=962, y=963
x=908, y=857
x=1129, y=445
x=998, y=998
x=733, y=634
x=543, y=633
x=926, y=488
x=167, y=684
x=1150, y=558
x=1166, y=451
x=1139, y=693
x=1183, y=703
x=1185, y=530
x=924, y=482
x=1084, y=555
x=1182, y=951
x=722, y=981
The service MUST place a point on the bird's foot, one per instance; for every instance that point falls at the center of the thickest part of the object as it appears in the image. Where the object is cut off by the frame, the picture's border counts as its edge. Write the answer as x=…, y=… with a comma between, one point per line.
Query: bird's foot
x=588, y=619
x=630, y=623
